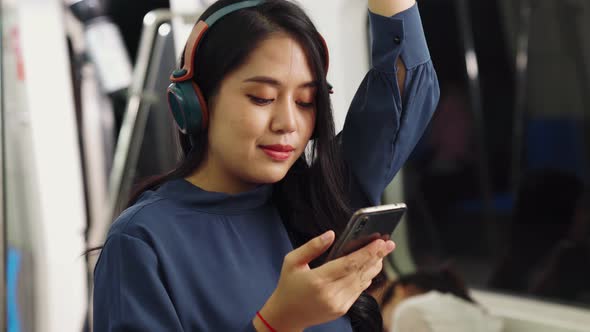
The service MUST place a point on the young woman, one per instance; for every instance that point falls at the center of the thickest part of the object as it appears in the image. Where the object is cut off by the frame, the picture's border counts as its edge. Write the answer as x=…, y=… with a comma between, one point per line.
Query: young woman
x=209, y=246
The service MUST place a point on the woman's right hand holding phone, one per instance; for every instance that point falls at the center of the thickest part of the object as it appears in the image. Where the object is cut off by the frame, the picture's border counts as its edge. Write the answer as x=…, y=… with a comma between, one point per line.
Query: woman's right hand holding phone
x=305, y=297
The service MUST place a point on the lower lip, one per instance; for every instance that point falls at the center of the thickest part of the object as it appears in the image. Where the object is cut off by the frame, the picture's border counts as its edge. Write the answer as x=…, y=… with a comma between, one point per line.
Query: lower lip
x=277, y=155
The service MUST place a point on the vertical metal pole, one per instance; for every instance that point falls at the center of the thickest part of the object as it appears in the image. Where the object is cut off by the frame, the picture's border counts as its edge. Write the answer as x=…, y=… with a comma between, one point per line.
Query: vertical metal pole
x=474, y=90
x=3, y=299
x=134, y=121
x=521, y=71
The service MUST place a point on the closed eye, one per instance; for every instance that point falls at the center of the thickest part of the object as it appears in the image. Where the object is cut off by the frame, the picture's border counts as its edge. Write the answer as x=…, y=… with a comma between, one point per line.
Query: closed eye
x=260, y=101
x=306, y=105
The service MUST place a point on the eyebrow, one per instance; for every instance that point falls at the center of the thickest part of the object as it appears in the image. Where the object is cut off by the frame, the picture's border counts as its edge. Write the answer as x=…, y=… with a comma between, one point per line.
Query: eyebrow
x=276, y=83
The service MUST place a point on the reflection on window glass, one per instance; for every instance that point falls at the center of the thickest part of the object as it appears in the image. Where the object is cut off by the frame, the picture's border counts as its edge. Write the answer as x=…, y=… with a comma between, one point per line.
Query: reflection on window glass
x=505, y=197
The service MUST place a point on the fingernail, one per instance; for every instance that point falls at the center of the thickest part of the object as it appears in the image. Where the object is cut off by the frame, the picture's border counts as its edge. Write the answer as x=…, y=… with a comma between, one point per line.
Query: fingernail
x=326, y=237
x=389, y=245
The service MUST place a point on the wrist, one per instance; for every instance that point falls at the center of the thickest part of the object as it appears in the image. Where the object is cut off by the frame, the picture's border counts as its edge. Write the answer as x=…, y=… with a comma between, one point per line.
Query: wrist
x=273, y=316
x=261, y=325
x=389, y=8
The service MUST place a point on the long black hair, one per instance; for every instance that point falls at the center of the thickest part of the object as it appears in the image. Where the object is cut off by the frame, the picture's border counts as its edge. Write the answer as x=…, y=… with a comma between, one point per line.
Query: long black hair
x=442, y=279
x=311, y=198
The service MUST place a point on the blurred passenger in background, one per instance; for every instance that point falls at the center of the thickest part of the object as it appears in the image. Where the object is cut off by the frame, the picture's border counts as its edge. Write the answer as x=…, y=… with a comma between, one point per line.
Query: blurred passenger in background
x=565, y=272
x=548, y=222
x=433, y=300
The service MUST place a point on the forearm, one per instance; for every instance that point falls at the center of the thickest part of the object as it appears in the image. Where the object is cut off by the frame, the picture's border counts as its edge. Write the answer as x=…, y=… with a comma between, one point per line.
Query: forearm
x=389, y=7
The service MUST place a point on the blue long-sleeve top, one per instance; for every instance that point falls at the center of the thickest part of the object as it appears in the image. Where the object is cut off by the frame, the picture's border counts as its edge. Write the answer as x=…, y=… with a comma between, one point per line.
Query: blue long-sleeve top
x=184, y=259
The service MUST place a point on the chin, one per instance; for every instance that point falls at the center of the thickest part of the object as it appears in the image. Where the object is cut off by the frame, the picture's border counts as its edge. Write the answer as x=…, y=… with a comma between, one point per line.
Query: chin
x=270, y=179
x=271, y=175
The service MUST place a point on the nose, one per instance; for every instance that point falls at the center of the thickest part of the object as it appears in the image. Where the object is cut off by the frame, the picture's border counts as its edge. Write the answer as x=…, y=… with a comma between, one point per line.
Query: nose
x=284, y=118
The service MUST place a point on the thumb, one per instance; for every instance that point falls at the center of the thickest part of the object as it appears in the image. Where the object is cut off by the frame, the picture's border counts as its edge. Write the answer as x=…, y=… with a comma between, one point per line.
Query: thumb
x=311, y=250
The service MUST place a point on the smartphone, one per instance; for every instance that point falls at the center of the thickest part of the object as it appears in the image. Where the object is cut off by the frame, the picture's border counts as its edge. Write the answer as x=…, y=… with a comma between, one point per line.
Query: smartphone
x=367, y=225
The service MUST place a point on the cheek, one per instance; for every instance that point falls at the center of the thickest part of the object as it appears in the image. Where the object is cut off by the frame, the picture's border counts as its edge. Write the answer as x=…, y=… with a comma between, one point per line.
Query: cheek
x=249, y=123
x=237, y=127
x=307, y=120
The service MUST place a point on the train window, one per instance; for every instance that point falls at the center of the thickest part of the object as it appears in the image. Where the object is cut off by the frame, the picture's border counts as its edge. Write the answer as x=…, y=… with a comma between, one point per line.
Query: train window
x=499, y=184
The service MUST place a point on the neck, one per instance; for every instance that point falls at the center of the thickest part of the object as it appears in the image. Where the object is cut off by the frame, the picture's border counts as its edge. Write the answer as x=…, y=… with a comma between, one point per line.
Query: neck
x=214, y=178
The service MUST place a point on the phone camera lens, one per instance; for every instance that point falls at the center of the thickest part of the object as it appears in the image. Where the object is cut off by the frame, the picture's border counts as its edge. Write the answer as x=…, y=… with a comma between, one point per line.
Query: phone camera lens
x=361, y=225
x=363, y=221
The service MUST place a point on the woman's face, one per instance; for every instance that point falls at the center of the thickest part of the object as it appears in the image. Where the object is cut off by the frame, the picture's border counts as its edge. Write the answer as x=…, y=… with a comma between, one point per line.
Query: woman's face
x=262, y=117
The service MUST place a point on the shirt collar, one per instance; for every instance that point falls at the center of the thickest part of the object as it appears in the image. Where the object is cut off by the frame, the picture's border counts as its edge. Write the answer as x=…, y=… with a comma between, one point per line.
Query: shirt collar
x=182, y=191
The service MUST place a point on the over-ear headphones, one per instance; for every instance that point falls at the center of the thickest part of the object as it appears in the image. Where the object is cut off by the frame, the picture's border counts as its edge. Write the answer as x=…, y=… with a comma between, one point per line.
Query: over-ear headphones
x=185, y=99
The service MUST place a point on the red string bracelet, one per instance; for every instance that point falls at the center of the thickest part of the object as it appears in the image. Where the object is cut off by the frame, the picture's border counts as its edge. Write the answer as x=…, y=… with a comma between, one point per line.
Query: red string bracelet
x=270, y=328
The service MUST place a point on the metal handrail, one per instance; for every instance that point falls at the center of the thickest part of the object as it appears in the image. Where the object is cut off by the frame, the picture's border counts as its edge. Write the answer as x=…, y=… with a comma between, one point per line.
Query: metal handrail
x=474, y=90
x=3, y=295
x=521, y=72
x=134, y=122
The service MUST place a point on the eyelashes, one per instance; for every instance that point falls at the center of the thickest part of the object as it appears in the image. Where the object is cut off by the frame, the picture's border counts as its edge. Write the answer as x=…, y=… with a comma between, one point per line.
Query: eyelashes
x=306, y=105
x=260, y=101
x=264, y=102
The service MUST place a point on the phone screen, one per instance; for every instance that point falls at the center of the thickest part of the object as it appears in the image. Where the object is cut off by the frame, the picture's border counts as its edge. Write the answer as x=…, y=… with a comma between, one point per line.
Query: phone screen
x=368, y=225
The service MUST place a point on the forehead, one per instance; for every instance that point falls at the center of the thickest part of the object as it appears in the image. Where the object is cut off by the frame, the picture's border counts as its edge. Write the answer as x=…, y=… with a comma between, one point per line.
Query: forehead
x=279, y=56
